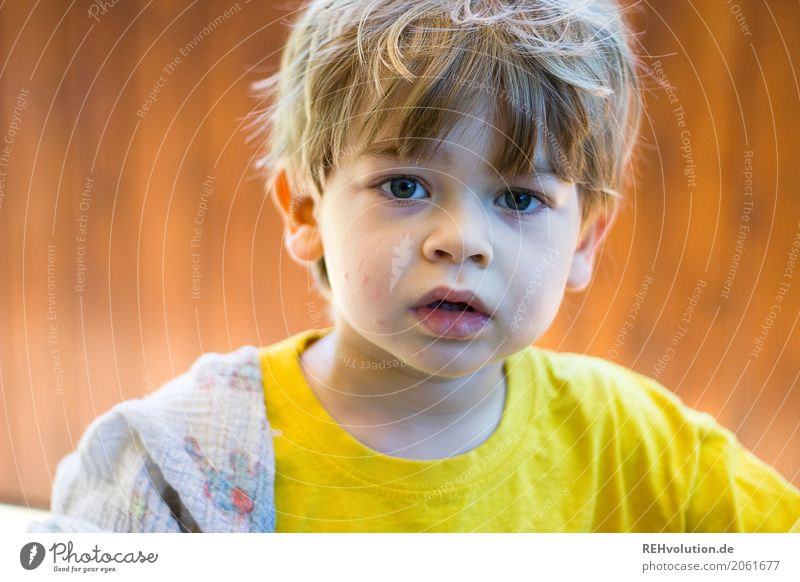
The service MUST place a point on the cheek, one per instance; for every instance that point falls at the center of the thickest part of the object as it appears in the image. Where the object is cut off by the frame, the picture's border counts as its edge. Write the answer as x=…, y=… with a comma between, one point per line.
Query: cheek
x=361, y=264
x=537, y=291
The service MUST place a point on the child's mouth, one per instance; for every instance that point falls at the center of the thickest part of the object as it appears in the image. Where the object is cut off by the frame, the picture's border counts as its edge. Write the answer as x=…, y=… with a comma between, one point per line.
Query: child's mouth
x=452, y=320
x=449, y=306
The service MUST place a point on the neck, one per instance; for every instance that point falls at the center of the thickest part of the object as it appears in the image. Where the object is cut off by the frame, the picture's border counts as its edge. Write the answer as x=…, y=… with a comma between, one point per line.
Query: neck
x=392, y=406
x=370, y=379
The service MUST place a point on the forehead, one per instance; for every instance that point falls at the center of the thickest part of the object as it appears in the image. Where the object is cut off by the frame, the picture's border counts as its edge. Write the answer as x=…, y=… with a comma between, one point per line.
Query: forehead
x=445, y=153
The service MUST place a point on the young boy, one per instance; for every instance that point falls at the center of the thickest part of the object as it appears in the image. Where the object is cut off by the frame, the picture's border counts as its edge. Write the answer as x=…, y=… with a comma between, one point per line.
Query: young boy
x=449, y=168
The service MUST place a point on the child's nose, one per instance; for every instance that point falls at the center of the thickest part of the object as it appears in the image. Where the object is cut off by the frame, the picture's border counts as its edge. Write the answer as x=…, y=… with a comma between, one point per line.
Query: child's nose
x=459, y=237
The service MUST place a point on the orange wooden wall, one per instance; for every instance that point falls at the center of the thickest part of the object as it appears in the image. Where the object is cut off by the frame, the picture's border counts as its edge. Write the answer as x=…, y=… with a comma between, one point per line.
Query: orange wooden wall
x=99, y=200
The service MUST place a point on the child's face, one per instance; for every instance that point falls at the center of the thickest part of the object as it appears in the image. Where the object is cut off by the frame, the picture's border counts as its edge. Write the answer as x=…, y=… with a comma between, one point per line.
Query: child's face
x=392, y=230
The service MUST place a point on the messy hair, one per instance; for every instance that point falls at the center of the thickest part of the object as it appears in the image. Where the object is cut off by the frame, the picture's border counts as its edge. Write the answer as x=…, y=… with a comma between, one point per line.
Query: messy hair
x=561, y=72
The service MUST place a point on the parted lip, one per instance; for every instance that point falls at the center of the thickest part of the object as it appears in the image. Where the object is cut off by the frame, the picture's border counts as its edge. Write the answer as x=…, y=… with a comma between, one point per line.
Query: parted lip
x=454, y=296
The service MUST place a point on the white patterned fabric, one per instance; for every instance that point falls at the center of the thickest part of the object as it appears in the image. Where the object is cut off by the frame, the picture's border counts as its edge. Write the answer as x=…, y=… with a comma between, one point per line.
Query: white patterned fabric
x=196, y=455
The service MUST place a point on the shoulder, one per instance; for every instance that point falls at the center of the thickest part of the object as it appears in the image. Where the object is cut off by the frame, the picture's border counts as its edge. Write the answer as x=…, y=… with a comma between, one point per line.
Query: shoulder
x=212, y=376
x=216, y=385
x=238, y=371
x=646, y=435
x=583, y=376
x=612, y=395
x=206, y=425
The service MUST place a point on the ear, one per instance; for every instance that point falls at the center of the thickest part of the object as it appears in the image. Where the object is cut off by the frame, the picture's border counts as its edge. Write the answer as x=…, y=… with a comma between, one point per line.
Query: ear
x=592, y=233
x=302, y=236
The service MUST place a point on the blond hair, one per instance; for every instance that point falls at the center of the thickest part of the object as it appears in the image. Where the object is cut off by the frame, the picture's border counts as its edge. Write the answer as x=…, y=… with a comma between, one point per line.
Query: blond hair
x=561, y=71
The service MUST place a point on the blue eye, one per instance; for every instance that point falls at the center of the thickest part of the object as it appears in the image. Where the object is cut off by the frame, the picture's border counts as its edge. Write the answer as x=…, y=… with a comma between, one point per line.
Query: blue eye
x=519, y=202
x=402, y=190
x=401, y=187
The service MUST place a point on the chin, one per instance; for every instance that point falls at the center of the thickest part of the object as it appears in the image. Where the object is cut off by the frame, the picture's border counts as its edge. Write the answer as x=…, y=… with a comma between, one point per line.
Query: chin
x=446, y=362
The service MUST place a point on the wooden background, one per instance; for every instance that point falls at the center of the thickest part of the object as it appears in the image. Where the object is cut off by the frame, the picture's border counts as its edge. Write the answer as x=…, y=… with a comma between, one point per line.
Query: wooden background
x=89, y=183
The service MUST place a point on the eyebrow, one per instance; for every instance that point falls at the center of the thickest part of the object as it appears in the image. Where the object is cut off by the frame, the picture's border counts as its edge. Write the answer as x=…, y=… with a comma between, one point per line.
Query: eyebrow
x=389, y=151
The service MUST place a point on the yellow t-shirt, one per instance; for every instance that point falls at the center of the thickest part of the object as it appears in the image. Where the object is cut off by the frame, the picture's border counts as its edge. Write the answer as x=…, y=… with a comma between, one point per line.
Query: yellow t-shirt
x=584, y=445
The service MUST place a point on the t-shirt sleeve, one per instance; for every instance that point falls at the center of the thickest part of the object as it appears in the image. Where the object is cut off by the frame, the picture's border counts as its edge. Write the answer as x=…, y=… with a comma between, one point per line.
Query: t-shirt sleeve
x=732, y=490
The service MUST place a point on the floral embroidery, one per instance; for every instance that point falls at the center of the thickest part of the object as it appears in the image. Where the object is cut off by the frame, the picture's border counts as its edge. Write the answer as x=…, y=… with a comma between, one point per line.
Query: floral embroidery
x=138, y=508
x=246, y=377
x=231, y=490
